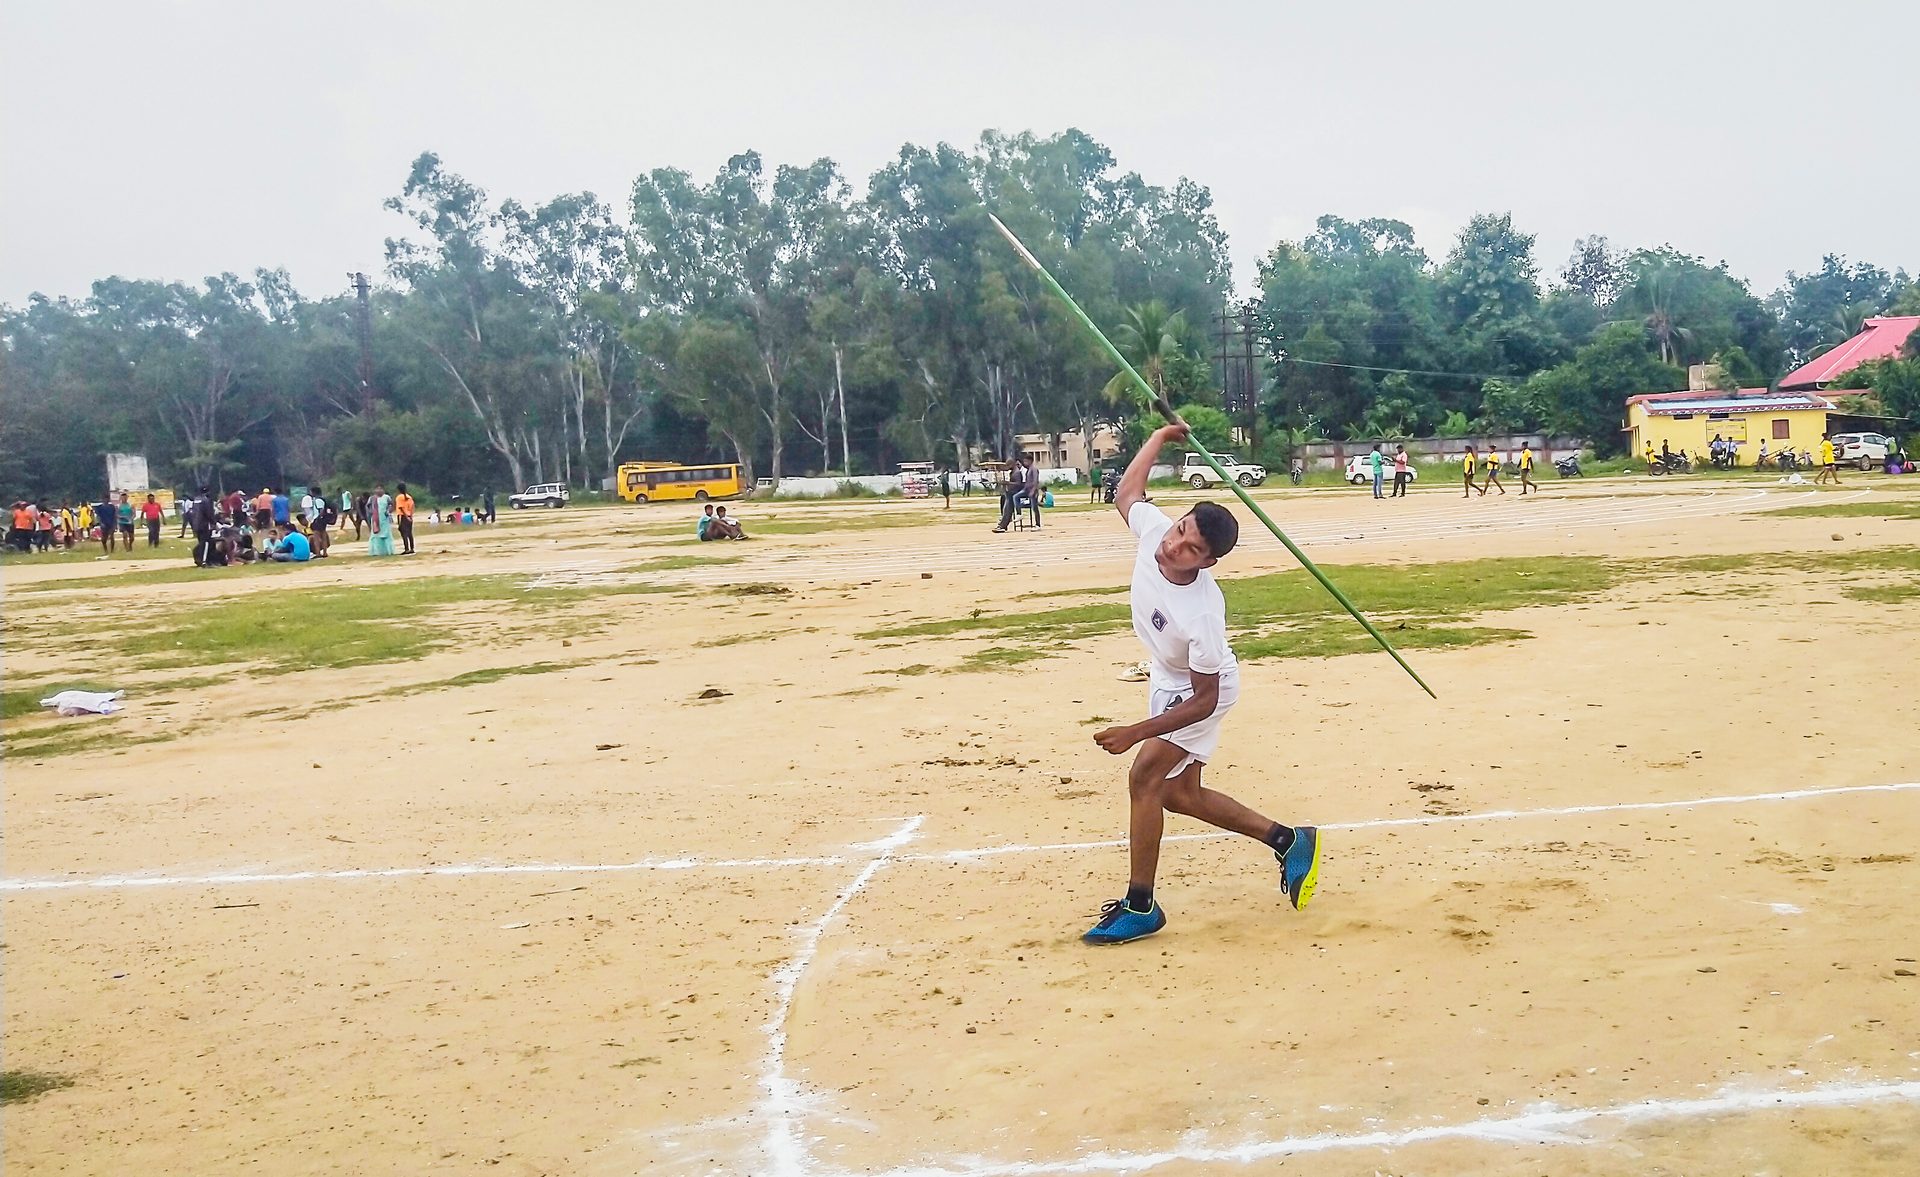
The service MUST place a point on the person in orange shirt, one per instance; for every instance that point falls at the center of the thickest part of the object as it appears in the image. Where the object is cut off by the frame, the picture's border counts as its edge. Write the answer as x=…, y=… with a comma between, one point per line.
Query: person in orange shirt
x=263, y=509
x=403, y=513
x=21, y=534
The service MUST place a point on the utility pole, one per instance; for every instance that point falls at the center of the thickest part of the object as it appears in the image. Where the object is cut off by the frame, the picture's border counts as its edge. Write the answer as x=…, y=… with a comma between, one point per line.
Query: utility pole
x=1249, y=322
x=1239, y=381
x=364, y=324
x=1228, y=355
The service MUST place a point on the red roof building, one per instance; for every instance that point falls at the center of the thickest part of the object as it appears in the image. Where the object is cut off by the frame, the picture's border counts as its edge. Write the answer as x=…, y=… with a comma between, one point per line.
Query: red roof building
x=1880, y=340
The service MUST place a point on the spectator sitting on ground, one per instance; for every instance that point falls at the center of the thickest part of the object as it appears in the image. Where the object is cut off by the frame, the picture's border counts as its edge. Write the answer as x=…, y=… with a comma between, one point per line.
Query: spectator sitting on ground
x=705, y=528
x=292, y=547
x=729, y=528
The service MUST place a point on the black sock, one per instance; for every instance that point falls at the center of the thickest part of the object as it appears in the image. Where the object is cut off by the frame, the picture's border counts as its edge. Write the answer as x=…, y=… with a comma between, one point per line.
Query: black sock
x=1139, y=898
x=1279, y=837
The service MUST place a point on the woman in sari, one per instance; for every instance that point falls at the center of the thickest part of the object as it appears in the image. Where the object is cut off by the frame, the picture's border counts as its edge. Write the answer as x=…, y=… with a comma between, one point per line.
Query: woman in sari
x=379, y=523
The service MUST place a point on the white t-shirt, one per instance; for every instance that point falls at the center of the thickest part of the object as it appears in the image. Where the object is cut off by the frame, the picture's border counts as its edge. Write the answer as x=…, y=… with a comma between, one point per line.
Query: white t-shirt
x=1183, y=626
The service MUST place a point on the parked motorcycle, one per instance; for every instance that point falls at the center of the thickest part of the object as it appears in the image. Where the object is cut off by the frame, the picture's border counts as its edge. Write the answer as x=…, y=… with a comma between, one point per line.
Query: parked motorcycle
x=1672, y=463
x=1567, y=467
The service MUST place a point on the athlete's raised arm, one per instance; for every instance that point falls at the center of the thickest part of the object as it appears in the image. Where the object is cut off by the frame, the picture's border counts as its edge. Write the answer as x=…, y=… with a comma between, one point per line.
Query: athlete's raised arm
x=1133, y=484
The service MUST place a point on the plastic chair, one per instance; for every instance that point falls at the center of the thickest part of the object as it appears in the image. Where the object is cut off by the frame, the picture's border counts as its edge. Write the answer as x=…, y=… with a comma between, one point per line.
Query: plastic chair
x=1026, y=514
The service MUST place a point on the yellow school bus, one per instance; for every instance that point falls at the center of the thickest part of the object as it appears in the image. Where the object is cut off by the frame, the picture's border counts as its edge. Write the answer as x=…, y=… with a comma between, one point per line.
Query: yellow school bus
x=649, y=482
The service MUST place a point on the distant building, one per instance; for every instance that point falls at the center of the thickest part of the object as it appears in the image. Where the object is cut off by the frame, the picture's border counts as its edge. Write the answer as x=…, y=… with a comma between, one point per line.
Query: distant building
x=1880, y=339
x=1691, y=420
x=1073, y=451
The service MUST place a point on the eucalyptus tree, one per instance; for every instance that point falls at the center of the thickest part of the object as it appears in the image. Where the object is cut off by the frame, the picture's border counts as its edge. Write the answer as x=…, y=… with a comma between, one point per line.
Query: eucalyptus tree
x=469, y=310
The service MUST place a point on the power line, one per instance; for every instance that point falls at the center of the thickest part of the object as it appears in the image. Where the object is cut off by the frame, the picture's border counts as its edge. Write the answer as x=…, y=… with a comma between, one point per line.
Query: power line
x=1408, y=371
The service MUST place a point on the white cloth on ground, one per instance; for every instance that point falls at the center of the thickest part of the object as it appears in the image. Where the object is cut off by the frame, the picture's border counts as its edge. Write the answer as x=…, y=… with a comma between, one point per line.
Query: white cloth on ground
x=84, y=702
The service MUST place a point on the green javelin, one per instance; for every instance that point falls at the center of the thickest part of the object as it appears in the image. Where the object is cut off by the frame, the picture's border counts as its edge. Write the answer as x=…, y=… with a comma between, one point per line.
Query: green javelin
x=1166, y=411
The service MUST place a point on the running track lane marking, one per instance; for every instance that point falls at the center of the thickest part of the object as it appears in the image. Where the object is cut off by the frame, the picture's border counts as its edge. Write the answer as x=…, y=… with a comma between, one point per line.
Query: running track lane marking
x=784, y=1100
x=112, y=882
x=1545, y=1126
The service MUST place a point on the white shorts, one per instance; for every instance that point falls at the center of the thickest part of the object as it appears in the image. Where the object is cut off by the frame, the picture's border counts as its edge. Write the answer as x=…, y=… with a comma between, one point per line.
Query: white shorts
x=1198, y=740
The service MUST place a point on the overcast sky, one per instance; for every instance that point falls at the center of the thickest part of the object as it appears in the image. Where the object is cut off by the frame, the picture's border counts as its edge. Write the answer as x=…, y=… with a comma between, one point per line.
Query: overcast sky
x=174, y=139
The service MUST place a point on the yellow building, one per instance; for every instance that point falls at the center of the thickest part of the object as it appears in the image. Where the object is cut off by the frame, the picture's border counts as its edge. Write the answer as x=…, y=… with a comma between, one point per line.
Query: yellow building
x=1691, y=420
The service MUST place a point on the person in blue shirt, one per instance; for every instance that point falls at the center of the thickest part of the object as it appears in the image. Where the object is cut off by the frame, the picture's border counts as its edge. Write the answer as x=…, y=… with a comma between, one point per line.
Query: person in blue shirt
x=292, y=547
x=705, y=529
x=282, y=508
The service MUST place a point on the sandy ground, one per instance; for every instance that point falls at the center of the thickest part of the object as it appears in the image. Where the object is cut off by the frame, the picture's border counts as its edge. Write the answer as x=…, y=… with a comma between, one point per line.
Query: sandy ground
x=754, y=933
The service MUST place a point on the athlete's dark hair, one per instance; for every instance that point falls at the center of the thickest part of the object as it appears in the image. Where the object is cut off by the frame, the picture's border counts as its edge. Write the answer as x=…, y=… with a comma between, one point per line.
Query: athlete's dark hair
x=1217, y=526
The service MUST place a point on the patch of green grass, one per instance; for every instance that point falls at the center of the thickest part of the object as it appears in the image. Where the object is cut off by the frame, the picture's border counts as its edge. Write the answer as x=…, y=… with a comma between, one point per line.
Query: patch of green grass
x=995, y=657
x=472, y=678
x=1288, y=614
x=358, y=626
x=85, y=734
x=676, y=563
x=1330, y=639
x=1897, y=509
x=1073, y=617
x=916, y=669
x=16, y=1086
x=1883, y=594
x=178, y=574
x=736, y=639
x=1680, y=564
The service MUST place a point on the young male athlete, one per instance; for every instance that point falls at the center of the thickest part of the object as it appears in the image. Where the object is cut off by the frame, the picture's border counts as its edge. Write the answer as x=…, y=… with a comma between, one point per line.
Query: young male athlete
x=1180, y=616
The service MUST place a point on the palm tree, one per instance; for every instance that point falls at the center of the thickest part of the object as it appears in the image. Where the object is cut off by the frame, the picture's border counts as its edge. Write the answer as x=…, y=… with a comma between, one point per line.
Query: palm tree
x=1655, y=286
x=1149, y=338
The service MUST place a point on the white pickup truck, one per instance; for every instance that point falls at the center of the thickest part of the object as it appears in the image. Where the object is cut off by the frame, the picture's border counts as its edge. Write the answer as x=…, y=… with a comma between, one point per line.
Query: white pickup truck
x=1196, y=473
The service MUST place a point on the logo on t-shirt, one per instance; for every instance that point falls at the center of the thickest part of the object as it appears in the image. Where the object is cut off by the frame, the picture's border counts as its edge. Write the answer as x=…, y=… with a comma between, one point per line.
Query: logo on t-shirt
x=1159, y=619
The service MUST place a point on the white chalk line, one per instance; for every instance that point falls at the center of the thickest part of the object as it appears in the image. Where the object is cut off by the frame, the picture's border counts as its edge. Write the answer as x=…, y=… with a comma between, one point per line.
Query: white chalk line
x=111, y=882
x=1545, y=1126
x=784, y=1101
x=1384, y=823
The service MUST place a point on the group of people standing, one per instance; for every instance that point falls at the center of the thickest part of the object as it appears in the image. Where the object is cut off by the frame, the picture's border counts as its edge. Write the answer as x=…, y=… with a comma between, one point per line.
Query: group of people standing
x=40, y=527
x=272, y=526
x=235, y=528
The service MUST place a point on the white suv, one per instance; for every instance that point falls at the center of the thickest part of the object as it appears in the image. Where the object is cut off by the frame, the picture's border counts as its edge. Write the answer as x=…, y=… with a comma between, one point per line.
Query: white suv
x=1865, y=450
x=1360, y=470
x=1196, y=473
x=546, y=494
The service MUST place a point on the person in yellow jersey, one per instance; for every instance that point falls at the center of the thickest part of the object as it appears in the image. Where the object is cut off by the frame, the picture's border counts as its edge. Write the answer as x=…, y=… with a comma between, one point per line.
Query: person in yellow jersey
x=1526, y=468
x=1829, y=469
x=1468, y=463
x=1493, y=471
x=1653, y=459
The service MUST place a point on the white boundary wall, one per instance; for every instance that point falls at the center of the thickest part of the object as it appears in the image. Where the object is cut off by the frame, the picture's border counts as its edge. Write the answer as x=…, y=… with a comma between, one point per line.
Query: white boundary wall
x=889, y=484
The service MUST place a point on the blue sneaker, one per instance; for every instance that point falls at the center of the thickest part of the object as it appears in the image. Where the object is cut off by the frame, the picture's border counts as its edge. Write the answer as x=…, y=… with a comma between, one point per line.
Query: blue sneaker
x=1120, y=923
x=1300, y=865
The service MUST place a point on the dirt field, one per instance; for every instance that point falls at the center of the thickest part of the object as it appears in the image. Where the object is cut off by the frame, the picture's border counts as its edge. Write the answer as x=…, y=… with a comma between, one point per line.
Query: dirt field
x=1636, y=895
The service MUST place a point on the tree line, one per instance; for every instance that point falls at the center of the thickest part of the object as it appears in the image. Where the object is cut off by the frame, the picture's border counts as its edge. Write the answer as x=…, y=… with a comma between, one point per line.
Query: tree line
x=783, y=320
